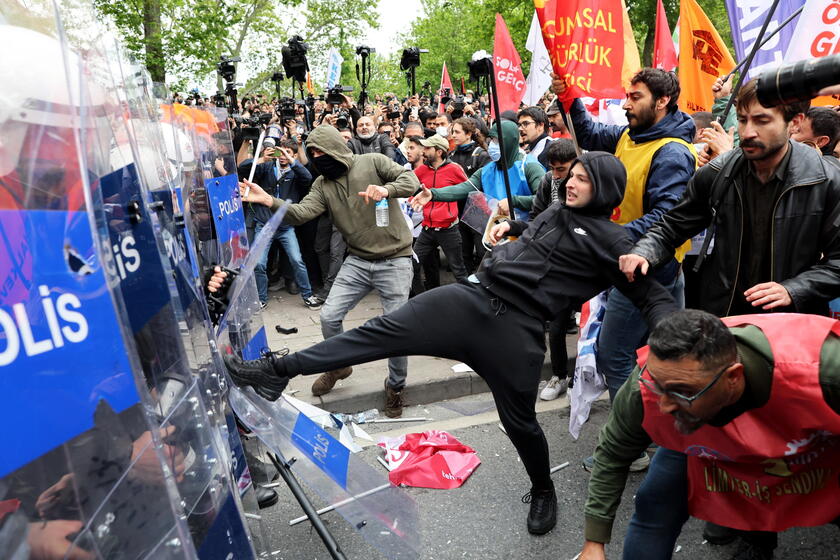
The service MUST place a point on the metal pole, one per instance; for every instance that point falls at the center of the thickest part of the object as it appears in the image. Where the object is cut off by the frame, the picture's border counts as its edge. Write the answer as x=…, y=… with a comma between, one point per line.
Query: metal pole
x=748, y=61
x=567, y=120
x=308, y=508
x=495, y=97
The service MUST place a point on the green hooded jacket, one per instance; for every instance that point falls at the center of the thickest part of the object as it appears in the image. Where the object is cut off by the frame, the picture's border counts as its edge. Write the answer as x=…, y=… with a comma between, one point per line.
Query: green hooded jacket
x=534, y=172
x=352, y=217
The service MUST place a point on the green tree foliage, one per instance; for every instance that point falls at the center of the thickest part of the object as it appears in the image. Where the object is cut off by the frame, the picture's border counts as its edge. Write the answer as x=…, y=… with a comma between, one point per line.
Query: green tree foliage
x=182, y=40
x=453, y=30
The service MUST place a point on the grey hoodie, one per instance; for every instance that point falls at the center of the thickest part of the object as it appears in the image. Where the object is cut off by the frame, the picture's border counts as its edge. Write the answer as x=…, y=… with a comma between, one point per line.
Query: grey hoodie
x=352, y=217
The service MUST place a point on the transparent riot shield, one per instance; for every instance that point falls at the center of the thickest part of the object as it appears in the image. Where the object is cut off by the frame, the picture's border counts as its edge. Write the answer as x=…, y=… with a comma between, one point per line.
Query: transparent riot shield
x=82, y=473
x=382, y=513
x=148, y=283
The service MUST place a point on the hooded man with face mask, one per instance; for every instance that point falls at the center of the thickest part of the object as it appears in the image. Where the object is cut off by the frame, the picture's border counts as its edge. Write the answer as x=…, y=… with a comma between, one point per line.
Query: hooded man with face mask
x=525, y=176
x=380, y=257
x=494, y=321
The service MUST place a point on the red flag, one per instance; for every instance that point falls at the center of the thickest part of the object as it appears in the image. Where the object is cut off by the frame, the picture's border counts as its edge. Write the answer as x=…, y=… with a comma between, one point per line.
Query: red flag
x=587, y=40
x=664, y=54
x=445, y=82
x=507, y=67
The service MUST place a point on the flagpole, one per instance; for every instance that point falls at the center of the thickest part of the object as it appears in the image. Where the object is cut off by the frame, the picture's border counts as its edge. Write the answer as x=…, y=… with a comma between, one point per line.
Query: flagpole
x=766, y=39
x=748, y=61
x=567, y=120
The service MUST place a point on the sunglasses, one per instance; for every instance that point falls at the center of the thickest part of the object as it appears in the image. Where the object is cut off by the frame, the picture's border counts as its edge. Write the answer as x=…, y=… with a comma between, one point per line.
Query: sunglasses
x=656, y=389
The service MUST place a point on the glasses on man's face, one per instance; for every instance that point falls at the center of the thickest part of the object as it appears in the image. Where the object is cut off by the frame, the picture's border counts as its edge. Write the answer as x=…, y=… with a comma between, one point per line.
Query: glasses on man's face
x=811, y=144
x=679, y=397
x=525, y=124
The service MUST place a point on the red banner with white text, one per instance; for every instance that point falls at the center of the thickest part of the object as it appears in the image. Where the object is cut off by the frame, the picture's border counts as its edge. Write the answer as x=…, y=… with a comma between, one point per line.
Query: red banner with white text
x=586, y=42
x=507, y=67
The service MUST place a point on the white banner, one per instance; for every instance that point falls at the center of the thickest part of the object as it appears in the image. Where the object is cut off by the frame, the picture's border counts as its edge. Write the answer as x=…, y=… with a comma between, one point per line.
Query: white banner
x=539, y=77
x=817, y=32
x=334, y=62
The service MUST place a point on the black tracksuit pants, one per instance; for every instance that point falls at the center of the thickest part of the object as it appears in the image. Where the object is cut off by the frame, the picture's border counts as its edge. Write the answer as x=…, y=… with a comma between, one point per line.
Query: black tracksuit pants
x=463, y=322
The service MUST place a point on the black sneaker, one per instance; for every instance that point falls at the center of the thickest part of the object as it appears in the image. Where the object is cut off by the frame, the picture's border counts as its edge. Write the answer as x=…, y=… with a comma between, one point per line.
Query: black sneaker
x=313, y=302
x=718, y=534
x=542, y=517
x=261, y=374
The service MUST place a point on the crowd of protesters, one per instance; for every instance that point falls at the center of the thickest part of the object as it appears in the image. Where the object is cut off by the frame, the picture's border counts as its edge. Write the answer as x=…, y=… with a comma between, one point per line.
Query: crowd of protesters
x=759, y=194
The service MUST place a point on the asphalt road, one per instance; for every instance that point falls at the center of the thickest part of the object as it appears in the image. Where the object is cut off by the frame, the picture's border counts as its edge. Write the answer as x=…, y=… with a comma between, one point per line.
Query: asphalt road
x=485, y=518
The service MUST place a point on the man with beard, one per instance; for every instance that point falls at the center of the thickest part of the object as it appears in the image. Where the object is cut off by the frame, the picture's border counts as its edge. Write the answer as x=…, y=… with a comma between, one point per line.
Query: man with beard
x=369, y=141
x=753, y=418
x=656, y=148
x=440, y=219
x=772, y=207
x=380, y=257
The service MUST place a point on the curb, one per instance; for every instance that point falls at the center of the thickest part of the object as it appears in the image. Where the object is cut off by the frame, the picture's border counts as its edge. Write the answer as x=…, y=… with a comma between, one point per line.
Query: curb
x=365, y=396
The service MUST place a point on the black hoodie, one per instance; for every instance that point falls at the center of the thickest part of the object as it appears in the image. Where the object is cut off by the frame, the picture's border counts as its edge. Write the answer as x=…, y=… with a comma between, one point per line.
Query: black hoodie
x=566, y=255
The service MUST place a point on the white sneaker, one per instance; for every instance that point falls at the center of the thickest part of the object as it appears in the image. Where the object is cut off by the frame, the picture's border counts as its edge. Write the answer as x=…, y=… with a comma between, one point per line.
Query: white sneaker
x=554, y=388
x=641, y=463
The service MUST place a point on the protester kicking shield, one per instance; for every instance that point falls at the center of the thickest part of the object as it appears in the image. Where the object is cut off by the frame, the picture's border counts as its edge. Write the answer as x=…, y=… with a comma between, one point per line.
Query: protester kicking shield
x=494, y=321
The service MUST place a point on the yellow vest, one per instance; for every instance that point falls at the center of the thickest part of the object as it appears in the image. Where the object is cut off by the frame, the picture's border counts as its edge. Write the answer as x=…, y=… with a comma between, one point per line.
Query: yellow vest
x=636, y=159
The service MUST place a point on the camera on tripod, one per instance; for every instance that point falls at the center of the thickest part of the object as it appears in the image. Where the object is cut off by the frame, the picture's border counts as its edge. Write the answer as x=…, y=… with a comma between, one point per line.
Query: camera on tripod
x=364, y=51
x=226, y=67
x=411, y=57
x=287, y=109
x=294, y=58
x=335, y=95
x=480, y=66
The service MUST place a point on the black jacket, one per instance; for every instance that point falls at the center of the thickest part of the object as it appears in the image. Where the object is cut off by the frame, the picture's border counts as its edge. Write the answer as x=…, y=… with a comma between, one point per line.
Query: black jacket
x=543, y=198
x=566, y=256
x=471, y=157
x=379, y=144
x=805, y=248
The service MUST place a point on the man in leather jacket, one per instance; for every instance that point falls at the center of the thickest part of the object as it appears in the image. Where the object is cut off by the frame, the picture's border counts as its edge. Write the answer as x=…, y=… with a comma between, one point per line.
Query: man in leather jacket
x=772, y=207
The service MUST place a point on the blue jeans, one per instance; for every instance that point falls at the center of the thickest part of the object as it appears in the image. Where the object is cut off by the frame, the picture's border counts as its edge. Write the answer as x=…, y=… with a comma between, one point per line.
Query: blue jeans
x=356, y=279
x=661, y=508
x=286, y=236
x=623, y=331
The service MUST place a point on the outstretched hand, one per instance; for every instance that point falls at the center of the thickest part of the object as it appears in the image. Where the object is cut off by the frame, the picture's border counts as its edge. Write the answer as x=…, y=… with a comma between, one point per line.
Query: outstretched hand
x=419, y=200
x=629, y=263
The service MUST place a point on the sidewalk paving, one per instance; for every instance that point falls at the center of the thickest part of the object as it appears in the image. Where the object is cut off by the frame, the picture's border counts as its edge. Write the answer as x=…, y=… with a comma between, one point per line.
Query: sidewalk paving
x=429, y=379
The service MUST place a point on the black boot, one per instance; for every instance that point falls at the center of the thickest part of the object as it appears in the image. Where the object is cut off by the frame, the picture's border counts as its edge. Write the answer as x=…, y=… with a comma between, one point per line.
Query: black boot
x=267, y=375
x=718, y=534
x=266, y=497
x=542, y=517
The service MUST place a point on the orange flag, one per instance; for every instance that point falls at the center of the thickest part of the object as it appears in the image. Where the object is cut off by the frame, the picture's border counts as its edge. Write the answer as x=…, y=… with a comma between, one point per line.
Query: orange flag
x=703, y=58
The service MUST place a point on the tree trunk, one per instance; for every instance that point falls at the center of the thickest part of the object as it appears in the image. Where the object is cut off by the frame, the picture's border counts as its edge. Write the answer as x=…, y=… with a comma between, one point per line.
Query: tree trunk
x=153, y=41
x=647, y=52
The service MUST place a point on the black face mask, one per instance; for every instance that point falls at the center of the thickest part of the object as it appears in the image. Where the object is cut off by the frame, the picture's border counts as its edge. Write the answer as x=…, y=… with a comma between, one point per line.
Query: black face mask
x=329, y=167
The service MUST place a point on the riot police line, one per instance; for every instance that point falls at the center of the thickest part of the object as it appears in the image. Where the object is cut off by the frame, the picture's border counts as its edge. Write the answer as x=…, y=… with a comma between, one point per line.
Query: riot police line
x=120, y=437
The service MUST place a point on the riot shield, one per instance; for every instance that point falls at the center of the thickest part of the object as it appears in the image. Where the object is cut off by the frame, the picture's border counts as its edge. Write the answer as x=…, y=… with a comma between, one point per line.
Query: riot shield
x=382, y=513
x=79, y=451
x=148, y=270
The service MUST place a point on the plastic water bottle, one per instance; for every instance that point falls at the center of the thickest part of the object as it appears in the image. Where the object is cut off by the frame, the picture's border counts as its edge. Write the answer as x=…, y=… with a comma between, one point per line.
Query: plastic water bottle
x=382, y=218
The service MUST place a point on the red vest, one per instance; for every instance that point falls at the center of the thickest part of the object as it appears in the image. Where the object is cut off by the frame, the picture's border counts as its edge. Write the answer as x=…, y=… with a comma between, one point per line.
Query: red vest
x=776, y=466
